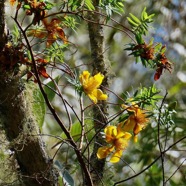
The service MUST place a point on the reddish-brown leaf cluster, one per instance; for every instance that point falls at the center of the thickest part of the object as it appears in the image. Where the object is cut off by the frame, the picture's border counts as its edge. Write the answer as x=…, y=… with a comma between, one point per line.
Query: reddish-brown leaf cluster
x=12, y=56
x=36, y=8
x=52, y=31
x=153, y=55
x=163, y=64
x=41, y=70
x=145, y=51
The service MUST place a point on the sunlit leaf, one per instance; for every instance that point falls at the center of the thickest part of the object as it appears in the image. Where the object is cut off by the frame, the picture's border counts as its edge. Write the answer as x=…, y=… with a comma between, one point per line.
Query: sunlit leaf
x=135, y=19
x=89, y=4
x=75, y=132
x=77, y=128
x=131, y=22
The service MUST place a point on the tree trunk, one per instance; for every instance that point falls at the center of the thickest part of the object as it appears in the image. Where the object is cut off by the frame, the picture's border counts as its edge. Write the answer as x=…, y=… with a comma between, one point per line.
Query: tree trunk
x=99, y=110
x=20, y=125
x=3, y=37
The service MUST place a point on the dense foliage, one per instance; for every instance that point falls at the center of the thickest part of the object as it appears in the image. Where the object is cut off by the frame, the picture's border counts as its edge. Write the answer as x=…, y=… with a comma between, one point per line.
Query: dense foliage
x=127, y=111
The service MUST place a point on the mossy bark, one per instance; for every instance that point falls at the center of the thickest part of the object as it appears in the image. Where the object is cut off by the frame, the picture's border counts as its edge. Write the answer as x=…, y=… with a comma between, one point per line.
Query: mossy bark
x=20, y=125
x=96, y=36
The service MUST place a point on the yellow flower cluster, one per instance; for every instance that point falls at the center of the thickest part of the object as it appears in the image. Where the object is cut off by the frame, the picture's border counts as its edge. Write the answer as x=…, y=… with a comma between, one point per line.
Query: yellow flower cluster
x=118, y=137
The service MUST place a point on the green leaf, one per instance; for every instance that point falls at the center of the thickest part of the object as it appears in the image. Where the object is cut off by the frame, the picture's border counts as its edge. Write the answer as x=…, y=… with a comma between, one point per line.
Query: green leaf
x=122, y=118
x=50, y=88
x=75, y=131
x=49, y=5
x=89, y=4
x=157, y=47
x=163, y=49
x=131, y=22
x=150, y=17
x=120, y=4
x=67, y=178
x=112, y=6
x=135, y=19
x=151, y=42
x=172, y=106
x=76, y=128
x=140, y=26
x=26, y=7
x=139, y=39
x=60, y=181
x=144, y=15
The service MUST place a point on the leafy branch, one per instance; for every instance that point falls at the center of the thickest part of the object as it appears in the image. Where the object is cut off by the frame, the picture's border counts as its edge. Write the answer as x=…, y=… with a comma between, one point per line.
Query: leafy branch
x=140, y=26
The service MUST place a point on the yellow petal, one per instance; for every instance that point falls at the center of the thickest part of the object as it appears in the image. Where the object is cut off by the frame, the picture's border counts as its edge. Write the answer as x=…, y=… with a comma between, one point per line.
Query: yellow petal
x=122, y=133
x=120, y=126
x=111, y=133
x=103, y=152
x=92, y=84
x=116, y=156
x=135, y=138
x=84, y=77
x=137, y=129
x=127, y=135
x=93, y=98
x=129, y=124
x=99, y=94
x=130, y=108
x=98, y=78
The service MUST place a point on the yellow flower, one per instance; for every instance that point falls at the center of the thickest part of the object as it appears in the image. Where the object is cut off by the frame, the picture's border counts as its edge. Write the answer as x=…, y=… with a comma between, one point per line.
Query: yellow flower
x=118, y=140
x=136, y=122
x=91, y=85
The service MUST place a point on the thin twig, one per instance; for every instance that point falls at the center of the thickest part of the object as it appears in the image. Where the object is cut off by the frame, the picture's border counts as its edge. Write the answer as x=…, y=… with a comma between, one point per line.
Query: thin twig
x=159, y=142
x=175, y=171
x=82, y=124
